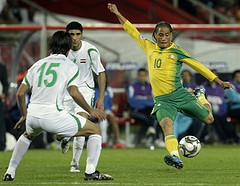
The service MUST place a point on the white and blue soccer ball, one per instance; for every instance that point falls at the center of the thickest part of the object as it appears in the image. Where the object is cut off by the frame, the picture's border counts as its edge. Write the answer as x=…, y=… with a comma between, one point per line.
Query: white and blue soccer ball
x=189, y=146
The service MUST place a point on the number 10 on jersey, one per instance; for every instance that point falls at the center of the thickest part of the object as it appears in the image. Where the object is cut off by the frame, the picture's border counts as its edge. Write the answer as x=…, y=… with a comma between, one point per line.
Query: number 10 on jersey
x=157, y=63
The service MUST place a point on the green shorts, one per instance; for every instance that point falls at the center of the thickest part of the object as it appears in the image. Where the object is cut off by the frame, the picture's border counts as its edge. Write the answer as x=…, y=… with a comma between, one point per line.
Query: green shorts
x=181, y=100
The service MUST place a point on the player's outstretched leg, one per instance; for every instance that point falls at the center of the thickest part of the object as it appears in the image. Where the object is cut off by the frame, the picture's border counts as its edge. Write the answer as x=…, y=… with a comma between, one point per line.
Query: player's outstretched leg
x=171, y=143
x=172, y=146
x=19, y=151
x=78, y=144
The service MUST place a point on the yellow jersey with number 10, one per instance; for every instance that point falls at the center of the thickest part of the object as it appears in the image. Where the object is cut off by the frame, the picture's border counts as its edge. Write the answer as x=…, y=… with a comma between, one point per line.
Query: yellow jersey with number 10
x=164, y=65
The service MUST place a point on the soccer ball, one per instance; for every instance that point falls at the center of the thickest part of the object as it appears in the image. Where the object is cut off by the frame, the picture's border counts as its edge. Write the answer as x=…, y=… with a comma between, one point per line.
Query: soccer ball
x=189, y=146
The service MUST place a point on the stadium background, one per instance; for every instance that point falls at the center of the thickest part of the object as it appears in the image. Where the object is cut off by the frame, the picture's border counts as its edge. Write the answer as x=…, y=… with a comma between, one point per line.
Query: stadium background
x=207, y=29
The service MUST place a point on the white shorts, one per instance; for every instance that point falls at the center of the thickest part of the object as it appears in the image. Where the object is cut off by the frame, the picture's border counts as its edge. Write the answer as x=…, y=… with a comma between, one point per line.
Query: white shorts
x=61, y=123
x=71, y=106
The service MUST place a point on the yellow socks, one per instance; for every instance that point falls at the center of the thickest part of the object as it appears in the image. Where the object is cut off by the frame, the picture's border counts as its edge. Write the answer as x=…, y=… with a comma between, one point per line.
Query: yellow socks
x=172, y=145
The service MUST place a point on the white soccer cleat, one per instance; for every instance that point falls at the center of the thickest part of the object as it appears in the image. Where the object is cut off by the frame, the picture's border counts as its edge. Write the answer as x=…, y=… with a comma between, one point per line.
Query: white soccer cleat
x=74, y=168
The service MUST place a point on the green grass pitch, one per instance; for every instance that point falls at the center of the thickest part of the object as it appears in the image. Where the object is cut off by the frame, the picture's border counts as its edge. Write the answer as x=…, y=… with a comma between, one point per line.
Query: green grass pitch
x=215, y=165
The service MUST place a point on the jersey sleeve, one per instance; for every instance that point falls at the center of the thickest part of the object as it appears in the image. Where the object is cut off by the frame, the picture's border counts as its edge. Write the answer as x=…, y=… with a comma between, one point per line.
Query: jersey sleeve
x=96, y=65
x=136, y=36
x=28, y=79
x=73, y=76
x=186, y=58
x=199, y=67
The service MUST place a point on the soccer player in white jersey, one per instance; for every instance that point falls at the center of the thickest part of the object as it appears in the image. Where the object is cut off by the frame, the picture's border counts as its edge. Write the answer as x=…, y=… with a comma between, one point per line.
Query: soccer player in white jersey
x=48, y=79
x=87, y=58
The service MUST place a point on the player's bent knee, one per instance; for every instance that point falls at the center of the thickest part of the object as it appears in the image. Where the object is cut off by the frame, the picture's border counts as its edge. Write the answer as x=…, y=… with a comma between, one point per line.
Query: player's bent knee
x=89, y=129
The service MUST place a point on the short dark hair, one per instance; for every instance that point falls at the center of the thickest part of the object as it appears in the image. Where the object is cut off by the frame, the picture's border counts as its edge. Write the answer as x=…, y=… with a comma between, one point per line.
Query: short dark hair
x=74, y=26
x=142, y=70
x=235, y=73
x=60, y=43
x=161, y=24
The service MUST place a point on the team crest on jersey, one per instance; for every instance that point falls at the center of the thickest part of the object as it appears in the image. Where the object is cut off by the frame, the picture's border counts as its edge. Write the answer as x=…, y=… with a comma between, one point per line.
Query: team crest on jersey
x=171, y=56
x=83, y=60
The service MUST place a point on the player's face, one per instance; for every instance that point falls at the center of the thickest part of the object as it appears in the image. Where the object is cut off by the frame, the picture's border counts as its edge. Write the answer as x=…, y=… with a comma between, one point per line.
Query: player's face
x=163, y=37
x=76, y=39
x=142, y=77
x=237, y=77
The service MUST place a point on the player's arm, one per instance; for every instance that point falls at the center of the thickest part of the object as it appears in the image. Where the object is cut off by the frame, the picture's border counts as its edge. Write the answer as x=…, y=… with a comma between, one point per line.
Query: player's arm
x=113, y=9
x=102, y=85
x=223, y=84
x=200, y=68
x=99, y=70
x=79, y=99
x=130, y=28
x=22, y=90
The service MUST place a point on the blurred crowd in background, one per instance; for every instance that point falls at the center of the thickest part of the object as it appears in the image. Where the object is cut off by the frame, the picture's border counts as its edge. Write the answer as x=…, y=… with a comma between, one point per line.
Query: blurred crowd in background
x=230, y=8
x=137, y=103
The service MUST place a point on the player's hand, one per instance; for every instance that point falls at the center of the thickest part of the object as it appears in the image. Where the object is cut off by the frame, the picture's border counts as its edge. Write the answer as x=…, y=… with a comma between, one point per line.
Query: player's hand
x=223, y=84
x=99, y=104
x=20, y=122
x=113, y=8
x=226, y=85
x=100, y=115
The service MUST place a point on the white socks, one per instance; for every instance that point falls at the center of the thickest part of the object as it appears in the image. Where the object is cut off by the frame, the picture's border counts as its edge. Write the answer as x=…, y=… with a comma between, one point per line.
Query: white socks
x=78, y=144
x=103, y=126
x=94, y=146
x=19, y=151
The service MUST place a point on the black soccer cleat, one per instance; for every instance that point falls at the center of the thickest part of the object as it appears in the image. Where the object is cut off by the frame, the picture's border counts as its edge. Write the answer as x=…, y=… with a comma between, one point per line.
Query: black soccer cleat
x=7, y=177
x=97, y=176
x=64, y=145
x=173, y=161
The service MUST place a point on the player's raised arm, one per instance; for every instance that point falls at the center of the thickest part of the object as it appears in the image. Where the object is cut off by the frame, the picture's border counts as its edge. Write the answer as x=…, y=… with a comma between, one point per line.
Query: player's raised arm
x=130, y=29
x=113, y=9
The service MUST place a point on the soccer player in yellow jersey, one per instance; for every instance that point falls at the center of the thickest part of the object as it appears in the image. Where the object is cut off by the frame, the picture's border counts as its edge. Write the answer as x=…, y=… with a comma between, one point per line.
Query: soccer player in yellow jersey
x=164, y=63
